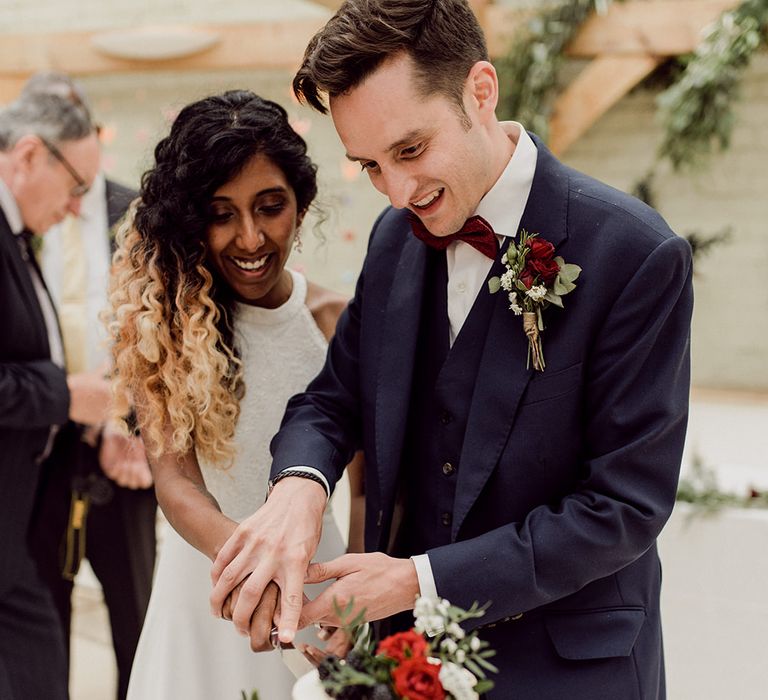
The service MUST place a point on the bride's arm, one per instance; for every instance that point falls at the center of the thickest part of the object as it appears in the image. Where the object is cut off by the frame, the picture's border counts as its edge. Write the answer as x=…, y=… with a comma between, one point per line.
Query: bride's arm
x=187, y=504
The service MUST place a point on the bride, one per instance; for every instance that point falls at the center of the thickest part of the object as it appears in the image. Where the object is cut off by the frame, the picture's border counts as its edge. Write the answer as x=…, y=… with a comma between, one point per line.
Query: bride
x=212, y=335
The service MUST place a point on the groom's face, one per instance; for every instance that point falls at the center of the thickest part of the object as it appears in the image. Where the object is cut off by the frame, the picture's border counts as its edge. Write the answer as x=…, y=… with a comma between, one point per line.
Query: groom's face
x=419, y=151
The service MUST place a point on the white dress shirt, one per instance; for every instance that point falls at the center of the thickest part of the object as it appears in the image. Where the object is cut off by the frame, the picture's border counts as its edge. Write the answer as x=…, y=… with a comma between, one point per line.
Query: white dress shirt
x=502, y=207
x=94, y=229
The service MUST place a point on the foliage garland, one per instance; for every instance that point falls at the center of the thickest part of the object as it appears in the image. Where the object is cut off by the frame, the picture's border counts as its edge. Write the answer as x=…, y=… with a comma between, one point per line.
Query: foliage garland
x=700, y=488
x=529, y=71
x=696, y=110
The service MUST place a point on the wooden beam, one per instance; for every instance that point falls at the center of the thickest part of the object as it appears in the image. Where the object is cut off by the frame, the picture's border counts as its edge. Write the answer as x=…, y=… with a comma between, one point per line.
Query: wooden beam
x=662, y=27
x=10, y=89
x=330, y=4
x=595, y=90
x=262, y=45
x=665, y=28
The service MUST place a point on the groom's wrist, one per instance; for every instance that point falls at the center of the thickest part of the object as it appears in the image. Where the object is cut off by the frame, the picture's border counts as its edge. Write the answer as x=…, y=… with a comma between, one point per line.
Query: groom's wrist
x=301, y=472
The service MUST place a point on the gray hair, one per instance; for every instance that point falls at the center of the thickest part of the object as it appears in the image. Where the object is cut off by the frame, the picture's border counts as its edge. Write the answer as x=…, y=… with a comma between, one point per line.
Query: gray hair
x=52, y=83
x=52, y=117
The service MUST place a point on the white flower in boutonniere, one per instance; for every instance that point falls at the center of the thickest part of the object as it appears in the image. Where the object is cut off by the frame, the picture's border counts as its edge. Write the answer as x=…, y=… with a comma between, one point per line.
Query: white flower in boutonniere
x=535, y=278
x=513, y=305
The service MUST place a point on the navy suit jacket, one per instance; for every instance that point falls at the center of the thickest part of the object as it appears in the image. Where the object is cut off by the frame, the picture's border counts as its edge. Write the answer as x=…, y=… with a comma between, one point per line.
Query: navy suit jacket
x=566, y=476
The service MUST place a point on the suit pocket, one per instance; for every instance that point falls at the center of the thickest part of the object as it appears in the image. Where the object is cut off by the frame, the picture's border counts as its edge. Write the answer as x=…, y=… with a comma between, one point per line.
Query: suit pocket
x=595, y=634
x=544, y=386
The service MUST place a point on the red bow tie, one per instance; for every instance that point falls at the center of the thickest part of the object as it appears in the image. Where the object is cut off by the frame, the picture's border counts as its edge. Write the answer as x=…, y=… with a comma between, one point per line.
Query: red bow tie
x=476, y=231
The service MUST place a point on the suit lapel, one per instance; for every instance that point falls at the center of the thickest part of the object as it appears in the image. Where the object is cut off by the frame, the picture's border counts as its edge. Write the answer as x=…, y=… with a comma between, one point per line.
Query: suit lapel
x=502, y=375
x=398, y=352
x=21, y=272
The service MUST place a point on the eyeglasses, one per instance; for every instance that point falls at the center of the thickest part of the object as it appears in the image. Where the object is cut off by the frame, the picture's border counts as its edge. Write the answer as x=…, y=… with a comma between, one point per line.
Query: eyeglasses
x=81, y=188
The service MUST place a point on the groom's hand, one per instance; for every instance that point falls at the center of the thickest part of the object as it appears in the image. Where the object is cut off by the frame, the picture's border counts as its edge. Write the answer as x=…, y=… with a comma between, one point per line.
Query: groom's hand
x=382, y=585
x=275, y=543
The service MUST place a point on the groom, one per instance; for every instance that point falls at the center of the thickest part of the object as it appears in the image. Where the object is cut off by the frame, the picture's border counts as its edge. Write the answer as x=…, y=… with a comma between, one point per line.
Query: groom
x=539, y=492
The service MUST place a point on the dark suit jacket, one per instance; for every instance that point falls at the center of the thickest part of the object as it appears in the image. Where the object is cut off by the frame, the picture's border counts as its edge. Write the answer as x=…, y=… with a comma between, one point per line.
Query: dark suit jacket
x=33, y=396
x=566, y=477
x=119, y=198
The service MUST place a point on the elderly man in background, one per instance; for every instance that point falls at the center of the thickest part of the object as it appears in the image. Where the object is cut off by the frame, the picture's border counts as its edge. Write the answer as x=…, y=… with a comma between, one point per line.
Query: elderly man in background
x=49, y=157
x=96, y=497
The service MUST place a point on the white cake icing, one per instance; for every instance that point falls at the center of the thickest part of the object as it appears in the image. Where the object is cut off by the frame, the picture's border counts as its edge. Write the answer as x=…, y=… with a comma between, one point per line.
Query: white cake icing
x=309, y=687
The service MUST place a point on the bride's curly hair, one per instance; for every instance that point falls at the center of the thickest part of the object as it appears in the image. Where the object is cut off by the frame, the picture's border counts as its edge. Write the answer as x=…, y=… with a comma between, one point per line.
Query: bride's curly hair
x=171, y=316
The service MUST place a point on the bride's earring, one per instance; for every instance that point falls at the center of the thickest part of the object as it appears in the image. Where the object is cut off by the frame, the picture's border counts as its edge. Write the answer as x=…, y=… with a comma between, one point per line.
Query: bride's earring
x=297, y=246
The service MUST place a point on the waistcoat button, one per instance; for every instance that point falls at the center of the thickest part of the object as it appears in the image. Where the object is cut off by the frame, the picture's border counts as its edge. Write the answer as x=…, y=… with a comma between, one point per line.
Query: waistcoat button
x=448, y=469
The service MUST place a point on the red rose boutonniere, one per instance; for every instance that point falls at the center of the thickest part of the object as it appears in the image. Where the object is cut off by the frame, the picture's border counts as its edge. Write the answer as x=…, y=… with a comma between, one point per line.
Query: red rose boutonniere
x=535, y=278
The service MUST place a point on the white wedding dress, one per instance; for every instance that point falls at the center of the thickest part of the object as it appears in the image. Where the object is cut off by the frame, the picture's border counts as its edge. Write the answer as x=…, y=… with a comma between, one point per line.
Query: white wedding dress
x=184, y=652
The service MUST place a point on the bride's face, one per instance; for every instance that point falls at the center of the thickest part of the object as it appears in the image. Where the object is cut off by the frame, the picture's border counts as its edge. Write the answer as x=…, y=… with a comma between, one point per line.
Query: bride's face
x=253, y=222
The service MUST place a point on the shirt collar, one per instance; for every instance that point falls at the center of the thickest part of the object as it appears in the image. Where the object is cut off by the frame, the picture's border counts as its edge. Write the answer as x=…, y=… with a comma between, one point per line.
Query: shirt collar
x=503, y=205
x=94, y=198
x=10, y=209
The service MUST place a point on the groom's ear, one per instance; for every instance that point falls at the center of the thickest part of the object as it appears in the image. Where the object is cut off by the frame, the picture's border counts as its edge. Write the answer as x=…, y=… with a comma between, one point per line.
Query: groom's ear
x=482, y=87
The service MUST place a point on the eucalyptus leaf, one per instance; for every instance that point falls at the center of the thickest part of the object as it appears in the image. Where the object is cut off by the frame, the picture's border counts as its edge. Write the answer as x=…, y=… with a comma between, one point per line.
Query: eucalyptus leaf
x=570, y=272
x=494, y=285
x=553, y=298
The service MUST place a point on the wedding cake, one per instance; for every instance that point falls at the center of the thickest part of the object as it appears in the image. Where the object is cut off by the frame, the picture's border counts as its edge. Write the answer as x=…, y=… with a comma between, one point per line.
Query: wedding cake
x=309, y=687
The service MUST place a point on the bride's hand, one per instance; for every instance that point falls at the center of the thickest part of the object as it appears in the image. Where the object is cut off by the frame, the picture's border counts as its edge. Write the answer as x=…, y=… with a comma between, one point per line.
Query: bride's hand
x=261, y=622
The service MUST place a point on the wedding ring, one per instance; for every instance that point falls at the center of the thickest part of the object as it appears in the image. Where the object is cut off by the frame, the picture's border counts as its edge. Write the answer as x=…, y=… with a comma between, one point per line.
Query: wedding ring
x=273, y=638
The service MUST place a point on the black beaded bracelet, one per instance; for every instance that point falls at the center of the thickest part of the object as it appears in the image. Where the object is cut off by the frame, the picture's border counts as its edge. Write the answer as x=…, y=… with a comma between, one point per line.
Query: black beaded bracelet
x=297, y=472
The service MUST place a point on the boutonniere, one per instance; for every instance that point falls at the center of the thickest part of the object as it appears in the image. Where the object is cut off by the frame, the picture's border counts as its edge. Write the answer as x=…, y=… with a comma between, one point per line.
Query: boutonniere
x=535, y=278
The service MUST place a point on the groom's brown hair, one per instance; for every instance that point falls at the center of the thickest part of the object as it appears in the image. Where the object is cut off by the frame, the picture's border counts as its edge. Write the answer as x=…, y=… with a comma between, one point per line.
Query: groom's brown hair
x=443, y=37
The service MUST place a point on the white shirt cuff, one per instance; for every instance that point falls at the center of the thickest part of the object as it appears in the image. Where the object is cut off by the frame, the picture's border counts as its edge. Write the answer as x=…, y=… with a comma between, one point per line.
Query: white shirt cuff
x=316, y=472
x=427, y=587
x=424, y=574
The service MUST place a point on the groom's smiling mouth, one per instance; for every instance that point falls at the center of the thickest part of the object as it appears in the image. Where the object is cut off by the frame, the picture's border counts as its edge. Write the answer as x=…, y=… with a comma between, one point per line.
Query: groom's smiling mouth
x=428, y=200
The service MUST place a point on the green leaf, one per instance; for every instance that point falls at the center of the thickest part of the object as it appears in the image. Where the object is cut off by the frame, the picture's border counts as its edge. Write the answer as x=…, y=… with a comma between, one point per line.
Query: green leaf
x=569, y=271
x=472, y=666
x=494, y=285
x=553, y=298
x=560, y=287
x=483, y=686
x=487, y=665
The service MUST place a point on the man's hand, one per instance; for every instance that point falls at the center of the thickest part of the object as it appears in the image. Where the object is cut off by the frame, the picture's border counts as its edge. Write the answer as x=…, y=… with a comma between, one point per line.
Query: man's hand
x=276, y=543
x=123, y=459
x=382, y=585
x=89, y=397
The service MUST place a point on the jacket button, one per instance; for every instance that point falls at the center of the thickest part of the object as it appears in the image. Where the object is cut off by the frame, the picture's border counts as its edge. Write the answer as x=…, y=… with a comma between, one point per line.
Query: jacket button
x=448, y=469
x=446, y=519
x=445, y=417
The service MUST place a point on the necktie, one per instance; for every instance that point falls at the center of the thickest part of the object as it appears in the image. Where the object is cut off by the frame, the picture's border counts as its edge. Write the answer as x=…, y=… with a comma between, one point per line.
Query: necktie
x=25, y=244
x=74, y=296
x=476, y=231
